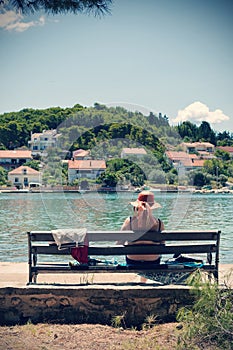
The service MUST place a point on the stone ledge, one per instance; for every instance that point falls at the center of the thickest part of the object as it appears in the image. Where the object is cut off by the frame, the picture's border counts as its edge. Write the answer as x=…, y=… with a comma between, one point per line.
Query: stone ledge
x=90, y=305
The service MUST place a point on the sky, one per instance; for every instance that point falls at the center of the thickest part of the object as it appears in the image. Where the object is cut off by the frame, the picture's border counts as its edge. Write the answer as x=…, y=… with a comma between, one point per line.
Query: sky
x=173, y=57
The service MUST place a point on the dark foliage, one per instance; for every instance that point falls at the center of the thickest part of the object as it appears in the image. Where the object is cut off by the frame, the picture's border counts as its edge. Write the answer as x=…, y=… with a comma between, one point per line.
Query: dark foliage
x=96, y=7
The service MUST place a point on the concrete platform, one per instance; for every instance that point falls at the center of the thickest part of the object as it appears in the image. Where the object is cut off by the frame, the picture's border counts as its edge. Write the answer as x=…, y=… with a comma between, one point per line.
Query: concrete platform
x=16, y=275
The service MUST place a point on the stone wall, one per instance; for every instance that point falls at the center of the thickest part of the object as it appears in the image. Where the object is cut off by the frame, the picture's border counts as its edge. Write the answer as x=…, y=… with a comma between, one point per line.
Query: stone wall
x=90, y=304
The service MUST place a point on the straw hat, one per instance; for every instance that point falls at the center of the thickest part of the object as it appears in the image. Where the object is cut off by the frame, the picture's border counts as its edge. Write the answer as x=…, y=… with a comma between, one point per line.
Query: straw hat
x=148, y=197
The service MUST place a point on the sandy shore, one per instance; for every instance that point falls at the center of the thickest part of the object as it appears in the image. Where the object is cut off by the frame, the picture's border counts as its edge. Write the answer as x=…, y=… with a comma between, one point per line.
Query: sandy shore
x=16, y=275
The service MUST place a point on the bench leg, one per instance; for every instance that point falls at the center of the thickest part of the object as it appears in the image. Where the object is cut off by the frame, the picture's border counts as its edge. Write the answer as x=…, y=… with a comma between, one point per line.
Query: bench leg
x=32, y=278
x=35, y=278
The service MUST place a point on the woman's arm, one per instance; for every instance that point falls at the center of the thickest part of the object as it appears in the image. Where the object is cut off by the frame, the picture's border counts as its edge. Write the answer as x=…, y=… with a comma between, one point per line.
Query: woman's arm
x=124, y=227
x=162, y=226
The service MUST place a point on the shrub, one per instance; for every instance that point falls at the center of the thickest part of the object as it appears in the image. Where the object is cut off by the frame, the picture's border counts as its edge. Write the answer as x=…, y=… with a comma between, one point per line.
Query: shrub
x=208, y=323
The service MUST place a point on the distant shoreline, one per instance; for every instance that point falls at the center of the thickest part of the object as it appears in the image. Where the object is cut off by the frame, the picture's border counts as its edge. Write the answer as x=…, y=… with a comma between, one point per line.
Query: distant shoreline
x=117, y=191
x=87, y=191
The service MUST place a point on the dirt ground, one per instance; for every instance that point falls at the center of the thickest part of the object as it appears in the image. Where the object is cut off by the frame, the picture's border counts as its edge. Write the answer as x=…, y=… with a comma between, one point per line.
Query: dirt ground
x=87, y=337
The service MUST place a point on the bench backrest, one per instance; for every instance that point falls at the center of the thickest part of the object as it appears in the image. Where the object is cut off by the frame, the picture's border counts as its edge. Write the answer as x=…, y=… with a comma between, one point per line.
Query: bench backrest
x=177, y=242
x=108, y=236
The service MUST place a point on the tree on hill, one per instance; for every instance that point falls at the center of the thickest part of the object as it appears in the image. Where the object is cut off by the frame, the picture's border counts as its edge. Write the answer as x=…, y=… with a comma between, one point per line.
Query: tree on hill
x=188, y=130
x=120, y=170
x=205, y=133
x=34, y=164
x=225, y=138
x=191, y=132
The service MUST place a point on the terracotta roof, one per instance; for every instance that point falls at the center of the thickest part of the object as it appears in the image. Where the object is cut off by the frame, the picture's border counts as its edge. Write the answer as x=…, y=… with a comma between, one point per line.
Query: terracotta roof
x=20, y=170
x=194, y=163
x=195, y=144
x=188, y=144
x=87, y=164
x=77, y=151
x=80, y=153
x=16, y=154
x=36, y=135
x=207, y=144
x=180, y=155
x=135, y=150
x=226, y=148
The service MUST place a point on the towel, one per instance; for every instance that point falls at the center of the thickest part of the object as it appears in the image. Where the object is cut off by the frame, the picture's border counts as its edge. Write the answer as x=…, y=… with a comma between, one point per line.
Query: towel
x=68, y=238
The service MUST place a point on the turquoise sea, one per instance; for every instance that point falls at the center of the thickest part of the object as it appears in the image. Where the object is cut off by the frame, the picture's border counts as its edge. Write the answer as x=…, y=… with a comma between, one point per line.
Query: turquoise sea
x=22, y=212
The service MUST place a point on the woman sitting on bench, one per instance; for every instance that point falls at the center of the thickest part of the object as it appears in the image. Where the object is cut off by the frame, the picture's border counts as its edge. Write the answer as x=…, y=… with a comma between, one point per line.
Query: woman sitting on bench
x=143, y=220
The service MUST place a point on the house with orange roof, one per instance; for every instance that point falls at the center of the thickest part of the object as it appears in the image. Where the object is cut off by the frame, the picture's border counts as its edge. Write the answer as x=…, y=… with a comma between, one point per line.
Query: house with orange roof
x=11, y=159
x=175, y=157
x=228, y=149
x=194, y=164
x=86, y=168
x=206, y=155
x=184, y=161
x=79, y=154
x=191, y=147
x=22, y=176
x=136, y=151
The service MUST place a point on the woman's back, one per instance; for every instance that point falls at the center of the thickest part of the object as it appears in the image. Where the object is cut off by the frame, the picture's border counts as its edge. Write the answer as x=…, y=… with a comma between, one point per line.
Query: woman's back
x=143, y=220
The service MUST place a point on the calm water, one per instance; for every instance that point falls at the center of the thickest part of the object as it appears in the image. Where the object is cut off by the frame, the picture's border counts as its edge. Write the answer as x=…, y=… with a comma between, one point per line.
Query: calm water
x=24, y=212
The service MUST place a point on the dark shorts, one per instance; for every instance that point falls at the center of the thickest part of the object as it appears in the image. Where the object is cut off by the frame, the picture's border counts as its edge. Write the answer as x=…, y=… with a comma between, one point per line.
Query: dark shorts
x=142, y=262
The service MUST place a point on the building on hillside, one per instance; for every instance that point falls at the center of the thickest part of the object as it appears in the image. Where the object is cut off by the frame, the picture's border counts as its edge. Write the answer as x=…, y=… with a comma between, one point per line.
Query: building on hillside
x=138, y=152
x=23, y=176
x=80, y=154
x=11, y=159
x=193, y=164
x=192, y=147
x=41, y=141
x=175, y=157
x=228, y=149
x=206, y=155
x=89, y=169
x=183, y=161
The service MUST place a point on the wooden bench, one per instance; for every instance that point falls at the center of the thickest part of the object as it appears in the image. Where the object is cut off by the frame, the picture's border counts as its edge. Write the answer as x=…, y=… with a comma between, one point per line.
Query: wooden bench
x=103, y=243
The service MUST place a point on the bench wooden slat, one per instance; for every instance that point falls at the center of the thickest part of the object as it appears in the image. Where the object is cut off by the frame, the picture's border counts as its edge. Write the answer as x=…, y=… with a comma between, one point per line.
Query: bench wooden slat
x=156, y=249
x=105, y=236
x=101, y=269
x=125, y=250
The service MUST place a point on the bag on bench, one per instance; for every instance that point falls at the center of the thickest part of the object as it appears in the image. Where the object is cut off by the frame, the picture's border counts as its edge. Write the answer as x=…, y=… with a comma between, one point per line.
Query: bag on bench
x=80, y=254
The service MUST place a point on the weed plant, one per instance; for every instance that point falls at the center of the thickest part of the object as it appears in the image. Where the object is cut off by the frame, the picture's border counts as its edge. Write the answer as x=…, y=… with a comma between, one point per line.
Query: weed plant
x=118, y=321
x=208, y=323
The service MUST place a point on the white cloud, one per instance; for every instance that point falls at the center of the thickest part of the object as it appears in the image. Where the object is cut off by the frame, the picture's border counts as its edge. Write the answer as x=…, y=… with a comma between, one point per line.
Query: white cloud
x=9, y=17
x=10, y=20
x=197, y=112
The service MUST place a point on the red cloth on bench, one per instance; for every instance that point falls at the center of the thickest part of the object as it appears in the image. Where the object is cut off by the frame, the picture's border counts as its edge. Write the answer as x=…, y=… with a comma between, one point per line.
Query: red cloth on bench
x=80, y=254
